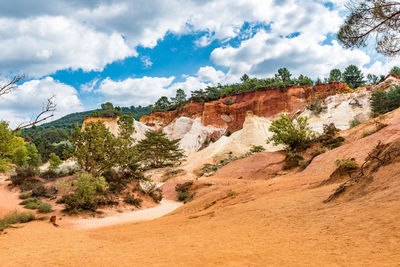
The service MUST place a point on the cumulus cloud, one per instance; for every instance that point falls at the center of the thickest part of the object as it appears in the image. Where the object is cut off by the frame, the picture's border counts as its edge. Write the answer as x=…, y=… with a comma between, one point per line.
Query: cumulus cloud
x=91, y=34
x=146, y=90
x=45, y=44
x=135, y=91
x=27, y=100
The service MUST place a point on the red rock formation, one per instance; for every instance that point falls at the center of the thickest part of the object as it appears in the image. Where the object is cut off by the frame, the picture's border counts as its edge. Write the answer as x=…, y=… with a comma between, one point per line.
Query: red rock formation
x=264, y=103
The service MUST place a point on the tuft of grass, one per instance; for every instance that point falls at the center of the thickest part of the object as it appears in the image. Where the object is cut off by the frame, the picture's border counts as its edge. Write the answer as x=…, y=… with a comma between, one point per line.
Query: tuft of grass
x=45, y=207
x=25, y=195
x=354, y=123
x=230, y=193
x=346, y=164
x=15, y=217
x=130, y=199
x=31, y=203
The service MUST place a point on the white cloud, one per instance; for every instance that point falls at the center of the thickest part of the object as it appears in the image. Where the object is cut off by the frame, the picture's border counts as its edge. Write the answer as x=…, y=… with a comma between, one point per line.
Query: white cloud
x=135, y=91
x=42, y=45
x=146, y=90
x=27, y=100
x=146, y=61
x=89, y=86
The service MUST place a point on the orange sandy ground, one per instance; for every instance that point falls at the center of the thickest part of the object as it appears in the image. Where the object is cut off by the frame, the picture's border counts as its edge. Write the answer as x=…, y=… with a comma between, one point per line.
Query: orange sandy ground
x=280, y=221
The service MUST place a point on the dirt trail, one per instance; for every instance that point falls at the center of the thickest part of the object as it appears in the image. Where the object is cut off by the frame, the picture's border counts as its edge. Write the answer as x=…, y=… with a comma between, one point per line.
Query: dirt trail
x=8, y=200
x=165, y=207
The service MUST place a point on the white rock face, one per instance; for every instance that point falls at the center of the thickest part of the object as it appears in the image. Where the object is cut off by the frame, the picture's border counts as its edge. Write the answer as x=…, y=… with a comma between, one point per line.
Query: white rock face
x=191, y=132
x=254, y=132
x=341, y=109
x=140, y=130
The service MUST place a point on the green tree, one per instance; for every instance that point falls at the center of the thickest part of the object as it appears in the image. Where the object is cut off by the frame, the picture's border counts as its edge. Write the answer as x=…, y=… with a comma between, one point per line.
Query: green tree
x=353, y=76
x=383, y=102
x=372, y=19
x=20, y=156
x=55, y=162
x=180, y=99
x=157, y=151
x=304, y=81
x=335, y=75
x=372, y=78
x=33, y=155
x=162, y=104
x=292, y=131
x=95, y=149
x=284, y=75
x=244, y=78
x=107, y=106
x=395, y=70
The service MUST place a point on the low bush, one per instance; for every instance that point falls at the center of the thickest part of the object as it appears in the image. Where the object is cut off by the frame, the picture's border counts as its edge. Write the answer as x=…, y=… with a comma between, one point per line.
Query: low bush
x=45, y=208
x=31, y=203
x=86, y=193
x=25, y=195
x=156, y=195
x=183, y=196
x=228, y=133
x=15, y=217
x=22, y=175
x=230, y=193
x=229, y=101
x=183, y=191
x=39, y=190
x=131, y=200
x=354, y=123
x=256, y=149
x=292, y=160
x=346, y=164
x=316, y=106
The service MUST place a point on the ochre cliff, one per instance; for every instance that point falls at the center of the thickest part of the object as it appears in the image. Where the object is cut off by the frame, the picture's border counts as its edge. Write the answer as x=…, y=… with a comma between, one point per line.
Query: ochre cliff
x=264, y=103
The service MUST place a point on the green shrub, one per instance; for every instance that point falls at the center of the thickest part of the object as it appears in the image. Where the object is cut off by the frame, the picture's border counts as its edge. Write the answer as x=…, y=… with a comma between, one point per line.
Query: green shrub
x=229, y=101
x=31, y=203
x=316, y=106
x=156, y=195
x=354, y=123
x=183, y=196
x=346, y=164
x=86, y=191
x=317, y=152
x=383, y=102
x=256, y=149
x=39, y=191
x=55, y=161
x=230, y=193
x=292, y=131
x=130, y=199
x=25, y=195
x=4, y=165
x=228, y=133
x=23, y=175
x=292, y=160
x=45, y=208
x=16, y=217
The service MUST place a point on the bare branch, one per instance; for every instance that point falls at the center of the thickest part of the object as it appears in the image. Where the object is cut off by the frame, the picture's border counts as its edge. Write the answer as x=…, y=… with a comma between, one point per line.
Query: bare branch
x=12, y=84
x=46, y=113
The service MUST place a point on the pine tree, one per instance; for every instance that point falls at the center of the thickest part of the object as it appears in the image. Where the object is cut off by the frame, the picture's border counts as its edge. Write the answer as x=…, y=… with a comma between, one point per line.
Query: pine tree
x=157, y=151
x=353, y=76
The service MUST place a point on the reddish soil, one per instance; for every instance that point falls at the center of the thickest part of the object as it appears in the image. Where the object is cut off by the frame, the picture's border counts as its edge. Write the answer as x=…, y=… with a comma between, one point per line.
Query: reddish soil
x=261, y=222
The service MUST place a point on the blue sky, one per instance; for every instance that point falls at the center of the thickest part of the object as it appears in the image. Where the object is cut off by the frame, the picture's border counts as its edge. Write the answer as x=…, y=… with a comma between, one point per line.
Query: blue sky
x=133, y=52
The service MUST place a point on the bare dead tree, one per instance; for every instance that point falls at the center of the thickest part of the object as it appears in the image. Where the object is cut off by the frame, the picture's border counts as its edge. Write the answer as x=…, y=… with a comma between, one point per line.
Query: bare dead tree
x=46, y=113
x=47, y=109
x=367, y=19
x=12, y=84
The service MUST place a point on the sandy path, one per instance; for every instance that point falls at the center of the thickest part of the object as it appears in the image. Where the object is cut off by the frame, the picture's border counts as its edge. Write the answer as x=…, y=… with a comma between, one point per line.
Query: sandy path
x=165, y=207
x=8, y=200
